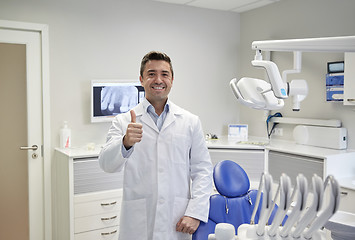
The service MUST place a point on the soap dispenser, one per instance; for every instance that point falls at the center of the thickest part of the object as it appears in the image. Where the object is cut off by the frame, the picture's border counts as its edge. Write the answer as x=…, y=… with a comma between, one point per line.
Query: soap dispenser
x=65, y=136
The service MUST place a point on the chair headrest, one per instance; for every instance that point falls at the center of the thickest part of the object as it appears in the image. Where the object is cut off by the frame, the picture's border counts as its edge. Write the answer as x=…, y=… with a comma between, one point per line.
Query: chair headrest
x=230, y=179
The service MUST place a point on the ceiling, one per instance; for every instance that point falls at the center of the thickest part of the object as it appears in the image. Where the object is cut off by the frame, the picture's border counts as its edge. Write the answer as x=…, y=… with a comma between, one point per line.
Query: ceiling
x=238, y=6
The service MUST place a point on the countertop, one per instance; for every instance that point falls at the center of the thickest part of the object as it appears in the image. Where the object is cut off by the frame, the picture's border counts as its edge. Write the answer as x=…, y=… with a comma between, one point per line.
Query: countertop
x=276, y=145
x=225, y=143
x=80, y=152
x=311, y=151
x=222, y=142
x=344, y=173
x=253, y=143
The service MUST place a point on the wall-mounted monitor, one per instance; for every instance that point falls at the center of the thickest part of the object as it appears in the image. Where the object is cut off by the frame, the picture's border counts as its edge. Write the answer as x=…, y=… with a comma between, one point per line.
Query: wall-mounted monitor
x=112, y=97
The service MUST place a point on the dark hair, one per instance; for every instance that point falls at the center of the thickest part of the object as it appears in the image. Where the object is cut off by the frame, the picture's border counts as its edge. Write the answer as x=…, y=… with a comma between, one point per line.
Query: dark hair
x=154, y=55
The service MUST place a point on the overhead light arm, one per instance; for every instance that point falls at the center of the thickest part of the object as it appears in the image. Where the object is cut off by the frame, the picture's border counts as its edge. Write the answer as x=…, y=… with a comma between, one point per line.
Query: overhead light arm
x=327, y=44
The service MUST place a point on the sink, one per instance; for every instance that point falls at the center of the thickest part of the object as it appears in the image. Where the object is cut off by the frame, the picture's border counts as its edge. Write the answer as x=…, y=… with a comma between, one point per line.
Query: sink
x=342, y=226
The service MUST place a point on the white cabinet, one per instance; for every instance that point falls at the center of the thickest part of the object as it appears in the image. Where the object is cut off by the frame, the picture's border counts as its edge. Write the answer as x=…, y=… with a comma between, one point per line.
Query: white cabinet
x=349, y=79
x=97, y=211
x=347, y=200
x=294, y=164
x=293, y=159
x=87, y=200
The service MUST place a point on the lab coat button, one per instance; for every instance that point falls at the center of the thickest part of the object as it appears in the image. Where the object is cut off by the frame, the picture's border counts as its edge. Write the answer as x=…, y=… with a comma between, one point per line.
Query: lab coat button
x=161, y=170
x=161, y=201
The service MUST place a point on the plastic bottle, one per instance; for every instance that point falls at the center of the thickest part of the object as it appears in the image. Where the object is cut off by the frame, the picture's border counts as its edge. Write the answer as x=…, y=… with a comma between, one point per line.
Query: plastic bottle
x=65, y=136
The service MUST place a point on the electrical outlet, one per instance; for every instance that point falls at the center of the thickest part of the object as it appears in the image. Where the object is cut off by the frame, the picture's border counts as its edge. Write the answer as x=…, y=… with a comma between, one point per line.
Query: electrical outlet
x=278, y=132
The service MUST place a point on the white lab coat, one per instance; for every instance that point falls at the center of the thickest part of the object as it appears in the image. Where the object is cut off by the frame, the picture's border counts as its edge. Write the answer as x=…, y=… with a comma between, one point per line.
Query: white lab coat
x=168, y=175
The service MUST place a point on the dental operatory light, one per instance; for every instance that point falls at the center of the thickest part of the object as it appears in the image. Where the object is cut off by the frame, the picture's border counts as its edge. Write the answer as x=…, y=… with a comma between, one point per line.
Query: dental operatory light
x=260, y=94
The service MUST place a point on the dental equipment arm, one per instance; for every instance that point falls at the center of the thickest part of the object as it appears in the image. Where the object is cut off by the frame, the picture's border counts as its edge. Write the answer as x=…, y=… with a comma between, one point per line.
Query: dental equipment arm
x=314, y=217
x=255, y=93
x=277, y=85
x=266, y=207
x=326, y=44
x=298, y=89
x=280, y=89
x=301, y=189
x=285, y=202
x=317, y=185
x=259, y=94
x=329, y=211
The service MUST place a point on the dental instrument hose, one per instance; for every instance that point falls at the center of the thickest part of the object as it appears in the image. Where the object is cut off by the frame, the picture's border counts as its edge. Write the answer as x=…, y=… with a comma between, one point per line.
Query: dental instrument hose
x=278, y=114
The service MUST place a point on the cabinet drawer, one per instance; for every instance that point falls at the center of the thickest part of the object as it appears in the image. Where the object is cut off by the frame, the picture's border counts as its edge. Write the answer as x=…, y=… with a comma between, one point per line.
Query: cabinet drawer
x=89, y=177
x=292, y=165
x=97, y=203
x=97, y=207
x=101, y=234
x=95, y=222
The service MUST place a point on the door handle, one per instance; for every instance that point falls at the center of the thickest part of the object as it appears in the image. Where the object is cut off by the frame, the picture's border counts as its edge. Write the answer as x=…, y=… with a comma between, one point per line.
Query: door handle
x=34, y=148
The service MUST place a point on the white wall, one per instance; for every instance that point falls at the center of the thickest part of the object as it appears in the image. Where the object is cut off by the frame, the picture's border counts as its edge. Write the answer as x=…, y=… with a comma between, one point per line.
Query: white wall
x=299, y=19
x=106, y=39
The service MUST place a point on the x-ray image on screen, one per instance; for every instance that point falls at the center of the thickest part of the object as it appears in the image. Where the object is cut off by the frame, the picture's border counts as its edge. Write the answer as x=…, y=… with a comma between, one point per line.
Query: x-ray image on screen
x=115, y=98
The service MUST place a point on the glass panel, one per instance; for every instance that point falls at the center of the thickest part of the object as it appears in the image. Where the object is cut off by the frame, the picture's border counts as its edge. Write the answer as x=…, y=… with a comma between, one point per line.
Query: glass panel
x=14, y=210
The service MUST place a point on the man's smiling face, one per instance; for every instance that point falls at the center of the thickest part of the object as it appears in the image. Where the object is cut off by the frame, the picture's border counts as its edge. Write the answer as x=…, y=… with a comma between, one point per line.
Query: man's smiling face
x=157, y=80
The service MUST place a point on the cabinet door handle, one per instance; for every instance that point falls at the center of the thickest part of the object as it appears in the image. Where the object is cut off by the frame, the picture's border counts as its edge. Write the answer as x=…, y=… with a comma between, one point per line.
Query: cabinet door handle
x=350, y=100
x=108, y=233
x=108, y=204
x=109, y=218
x=344, y=193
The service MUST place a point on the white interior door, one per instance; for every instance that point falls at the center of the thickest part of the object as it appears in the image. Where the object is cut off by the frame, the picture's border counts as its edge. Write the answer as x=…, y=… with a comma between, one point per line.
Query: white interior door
x=22, y=206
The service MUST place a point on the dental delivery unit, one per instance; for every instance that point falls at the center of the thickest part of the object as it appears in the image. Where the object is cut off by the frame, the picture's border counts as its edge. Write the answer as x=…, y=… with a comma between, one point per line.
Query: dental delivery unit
x=301, y=222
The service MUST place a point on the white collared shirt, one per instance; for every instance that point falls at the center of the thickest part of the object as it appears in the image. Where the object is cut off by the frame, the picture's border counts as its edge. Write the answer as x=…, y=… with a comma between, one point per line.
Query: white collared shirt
x=158, y=120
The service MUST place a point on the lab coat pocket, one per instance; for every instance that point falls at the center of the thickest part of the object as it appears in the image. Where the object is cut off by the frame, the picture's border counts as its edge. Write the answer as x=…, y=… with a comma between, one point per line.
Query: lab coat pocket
x=133, y=224
x=181, y=145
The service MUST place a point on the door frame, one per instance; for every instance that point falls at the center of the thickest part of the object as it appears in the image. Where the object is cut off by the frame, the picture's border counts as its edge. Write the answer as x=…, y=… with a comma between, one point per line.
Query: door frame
x=42, y=29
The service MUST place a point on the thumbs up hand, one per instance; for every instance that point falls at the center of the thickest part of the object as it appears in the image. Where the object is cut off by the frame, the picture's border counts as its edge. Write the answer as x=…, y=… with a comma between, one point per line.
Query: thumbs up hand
x=133, y=116
x=133, y=133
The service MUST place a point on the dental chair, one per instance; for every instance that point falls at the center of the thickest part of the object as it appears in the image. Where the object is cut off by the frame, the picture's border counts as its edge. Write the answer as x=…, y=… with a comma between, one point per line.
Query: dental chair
x=235, y=202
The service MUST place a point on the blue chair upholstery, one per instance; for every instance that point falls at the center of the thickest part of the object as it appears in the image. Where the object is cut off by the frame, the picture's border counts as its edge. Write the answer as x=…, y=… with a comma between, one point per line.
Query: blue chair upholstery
x=235, y=202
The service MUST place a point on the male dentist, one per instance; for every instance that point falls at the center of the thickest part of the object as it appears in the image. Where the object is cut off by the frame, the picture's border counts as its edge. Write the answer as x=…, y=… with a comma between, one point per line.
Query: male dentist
x=167, y=167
